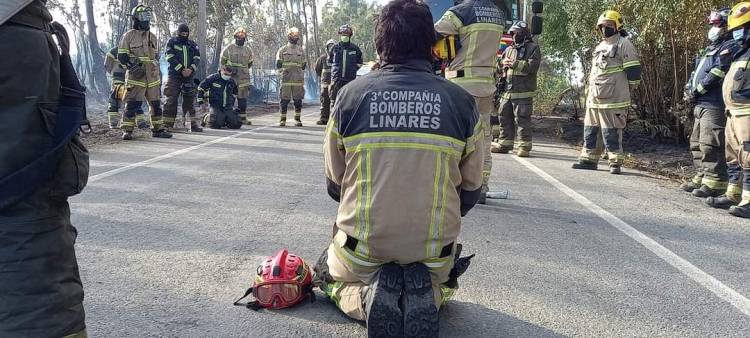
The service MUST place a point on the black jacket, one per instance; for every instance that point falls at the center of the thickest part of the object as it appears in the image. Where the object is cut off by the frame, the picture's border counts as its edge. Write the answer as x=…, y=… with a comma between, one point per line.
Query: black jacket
x=220, y=93
x=345, y=60
x=710, y=70
x=182, y=54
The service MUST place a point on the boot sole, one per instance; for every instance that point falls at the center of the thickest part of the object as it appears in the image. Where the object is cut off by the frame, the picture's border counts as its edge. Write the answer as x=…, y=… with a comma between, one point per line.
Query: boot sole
x=737, y=212
x=384, y=318
x=420, y=312
x=719, y=206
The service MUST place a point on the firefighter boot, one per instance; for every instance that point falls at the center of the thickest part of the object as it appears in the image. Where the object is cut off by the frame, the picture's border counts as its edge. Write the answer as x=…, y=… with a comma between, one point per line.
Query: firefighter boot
x=586, y=165
x=140, y=120
x=689, y=186
x=740, y=211
x=615, y=169
x=298, y=112
x=522, y=153
x=723, y=202
x=127, y=135
x=161, y=133
x=420, y=312
x=381, y=300
x=483, y=195
x=283, y=107
x=704, y=192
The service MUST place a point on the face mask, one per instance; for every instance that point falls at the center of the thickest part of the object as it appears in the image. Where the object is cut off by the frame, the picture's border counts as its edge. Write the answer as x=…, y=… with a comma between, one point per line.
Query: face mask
x=346, y=39
x=293, y=40
x=183, y=37
x=143, y=25
x=714, y=34
x=518, y=38
x=239, y=42
x=608, y=31
x=225, y=77
x=739, y=35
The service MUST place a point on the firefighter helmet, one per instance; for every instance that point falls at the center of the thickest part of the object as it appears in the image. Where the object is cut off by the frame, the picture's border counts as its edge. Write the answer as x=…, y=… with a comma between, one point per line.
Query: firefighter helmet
x=739, y=16
x=282, y=280
x=346, y=30
x=519, y=27
x=141, y=13
x=329, y=44
x=293, y=33
x=613, y=16
x=240, y=33
x=719, y=17
x=9, y=8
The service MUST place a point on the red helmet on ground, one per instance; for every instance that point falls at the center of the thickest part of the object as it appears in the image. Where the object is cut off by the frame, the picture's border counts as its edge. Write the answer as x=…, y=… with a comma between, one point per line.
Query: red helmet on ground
x=281, y=281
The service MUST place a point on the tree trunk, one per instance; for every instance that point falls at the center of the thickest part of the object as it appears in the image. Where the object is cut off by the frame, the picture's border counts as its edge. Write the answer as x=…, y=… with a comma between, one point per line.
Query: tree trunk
x=218, y=46
x=202, y=38
x=97, y=55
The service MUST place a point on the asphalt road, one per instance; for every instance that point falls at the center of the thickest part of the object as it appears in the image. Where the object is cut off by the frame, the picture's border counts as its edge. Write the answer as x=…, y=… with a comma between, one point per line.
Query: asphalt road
x=170, y=232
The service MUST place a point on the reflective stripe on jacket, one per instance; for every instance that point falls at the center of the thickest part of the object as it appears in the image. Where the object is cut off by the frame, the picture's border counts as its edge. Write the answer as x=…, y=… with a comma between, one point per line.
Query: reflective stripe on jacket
x=292, y=60
x=218, y=92
x=141, y=46
x=522, y=75
x=345, y=59
x=180, y=55
x=710, y=70
x=614, y=63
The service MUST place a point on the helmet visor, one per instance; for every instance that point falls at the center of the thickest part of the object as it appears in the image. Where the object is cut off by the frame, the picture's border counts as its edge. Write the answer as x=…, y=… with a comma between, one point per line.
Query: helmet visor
x=277, y=295
x=144, y=15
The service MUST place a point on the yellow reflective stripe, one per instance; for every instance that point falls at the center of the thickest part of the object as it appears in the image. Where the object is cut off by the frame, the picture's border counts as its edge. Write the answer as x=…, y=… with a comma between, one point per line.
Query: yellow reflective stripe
x=481, y=27
x=178, y=67
x=471, y=142
x=613, y=70
x=156, y=83
x=484, y=80
x=700, y=89
x=506, y=143
x=291, y=64
x=185, y=57
x=232, y=64
x=718, y=72
x=368, y=205
x=741, y=64
x=437, y=263
x=177, y=47
x=441, y=220
x=243, y=85
x=469, y=60
x=433, y=218
x=524, y=95
x=169, y=56
x=714, y=183
x=130, y=82
x=406, y=146
x=292, y=84
x=123, y=51
x=326, y=71
x=396, y=134
x=631, y=64
x=609, y=105
x=145, y=59
x=739, y=112
x=734, y=189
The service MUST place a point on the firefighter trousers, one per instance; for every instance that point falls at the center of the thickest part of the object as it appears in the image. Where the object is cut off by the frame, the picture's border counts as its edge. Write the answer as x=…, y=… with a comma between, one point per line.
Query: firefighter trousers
x=348, y=289
x=485, y=106
x=173, y=90
x=707, y=146
x=515, y=123
x=325, y=102
x=738, y=157
x=602, y=131
x=221, y=117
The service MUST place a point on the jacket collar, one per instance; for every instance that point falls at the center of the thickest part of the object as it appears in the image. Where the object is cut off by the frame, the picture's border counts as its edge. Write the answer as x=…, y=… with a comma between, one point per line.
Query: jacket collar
x=413, y=65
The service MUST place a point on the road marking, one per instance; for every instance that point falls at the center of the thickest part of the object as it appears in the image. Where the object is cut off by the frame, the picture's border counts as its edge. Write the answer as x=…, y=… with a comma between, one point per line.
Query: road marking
x=152, y=160
x=696, y=274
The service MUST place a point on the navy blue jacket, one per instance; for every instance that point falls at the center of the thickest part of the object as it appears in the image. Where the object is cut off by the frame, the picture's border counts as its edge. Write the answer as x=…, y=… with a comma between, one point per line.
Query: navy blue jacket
x=345, y=59
x=182, y=54
x=710, y=70
x=220, y=93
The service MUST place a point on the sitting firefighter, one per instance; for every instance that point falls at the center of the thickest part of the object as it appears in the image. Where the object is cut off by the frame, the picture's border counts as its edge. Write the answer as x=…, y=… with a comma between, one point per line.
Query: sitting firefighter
x=219, y=91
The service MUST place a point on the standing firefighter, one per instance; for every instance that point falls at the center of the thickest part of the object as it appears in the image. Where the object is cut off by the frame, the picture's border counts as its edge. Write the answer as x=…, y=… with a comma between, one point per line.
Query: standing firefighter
x=323, y=70
x=219, y=91
x=704, y=90
x=44, y=163
x=391, y=268
x=519, y=68
x=139, y=54
x=117, y=93
x=736, y=91
x=615, y=70
x=478, y=24
x=291, y=64
x=239, y=58
x=345, y=59
x=183, y=57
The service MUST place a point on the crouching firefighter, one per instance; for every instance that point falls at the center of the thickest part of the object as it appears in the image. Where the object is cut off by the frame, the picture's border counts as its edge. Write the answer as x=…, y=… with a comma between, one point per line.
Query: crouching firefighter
x=704, y=91
x=219, y=91
x=736, y=91
x=43, y=164
x=139, y=54
x=183, y=57
x=520, y=65
x=291, y=64
x=392, y=269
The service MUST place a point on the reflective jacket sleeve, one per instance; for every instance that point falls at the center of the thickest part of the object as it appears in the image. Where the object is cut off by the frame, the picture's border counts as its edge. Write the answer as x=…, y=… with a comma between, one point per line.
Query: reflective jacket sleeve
x=109, y=62
x=319, y=66
x=196, y=57
x=449, y=24
x=123, y=51
x=334, y=156
x=631, y=63
x=224, y=56
x=716, y=76
x=531, y=65
x=172, y=58
x=202, y=90
x=472, y=162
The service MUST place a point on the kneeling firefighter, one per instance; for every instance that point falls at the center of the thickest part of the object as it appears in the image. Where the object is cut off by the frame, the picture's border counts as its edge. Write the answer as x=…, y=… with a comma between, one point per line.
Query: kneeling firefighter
x=219, y=90
x=393, y=269
x=736, y=91
x=291, y=64
x=519, y=69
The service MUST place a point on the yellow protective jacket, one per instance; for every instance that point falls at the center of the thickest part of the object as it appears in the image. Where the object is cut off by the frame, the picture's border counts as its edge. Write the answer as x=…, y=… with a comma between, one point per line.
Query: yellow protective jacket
x=140, y=46
x=240, y=58
x=615, y=67
x=113, y=67
x=479, y=25
x=736, y=86
x=290, y=59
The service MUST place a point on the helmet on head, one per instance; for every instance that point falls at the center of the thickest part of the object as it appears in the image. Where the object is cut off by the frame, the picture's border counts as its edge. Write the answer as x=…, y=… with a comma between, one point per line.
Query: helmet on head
x=719, y=17
x=346, y=30
x=330, y=43
x=739, y=16
x=293, y=33
x=282, y=280
x=183, y=28
x=240, y=33
x=519, y=27
x=141, y=13
x=613, y=16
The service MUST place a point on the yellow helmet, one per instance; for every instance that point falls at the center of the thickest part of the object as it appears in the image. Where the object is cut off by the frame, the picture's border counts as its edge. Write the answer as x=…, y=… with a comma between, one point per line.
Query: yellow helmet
x=293, y=32
x=240, y=33
x=739, y=16
x=613, y=16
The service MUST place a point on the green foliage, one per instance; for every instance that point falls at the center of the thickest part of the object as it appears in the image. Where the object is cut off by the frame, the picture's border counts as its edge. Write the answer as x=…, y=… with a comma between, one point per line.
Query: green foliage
x=359, y=14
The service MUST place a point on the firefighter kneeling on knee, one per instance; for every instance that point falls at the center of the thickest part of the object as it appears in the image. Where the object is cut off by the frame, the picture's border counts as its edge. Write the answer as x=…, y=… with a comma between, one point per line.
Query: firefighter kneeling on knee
x=415, y=142
x=219, y=91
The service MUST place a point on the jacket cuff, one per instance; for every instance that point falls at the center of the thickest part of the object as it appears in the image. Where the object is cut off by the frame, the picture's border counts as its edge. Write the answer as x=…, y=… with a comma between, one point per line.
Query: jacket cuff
x=334, y=190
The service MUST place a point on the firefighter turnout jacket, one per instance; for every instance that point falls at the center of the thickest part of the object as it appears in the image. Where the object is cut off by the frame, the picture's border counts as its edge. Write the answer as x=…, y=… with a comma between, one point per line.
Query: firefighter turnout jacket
x=479, y=25
x=290, y=60
x=218, y=92
x=345, y=59
x=323, y=70
x=140, y=47
x=615, y=67
x=521, y=76
x=403, y=155
x=240, y=59
x=113, y=67
x=182, y=54
x=706, y=80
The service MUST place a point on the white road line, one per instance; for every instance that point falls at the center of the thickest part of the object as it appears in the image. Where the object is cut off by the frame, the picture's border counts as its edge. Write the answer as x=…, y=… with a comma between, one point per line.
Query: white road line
x=175, y=153
x=696, y=274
